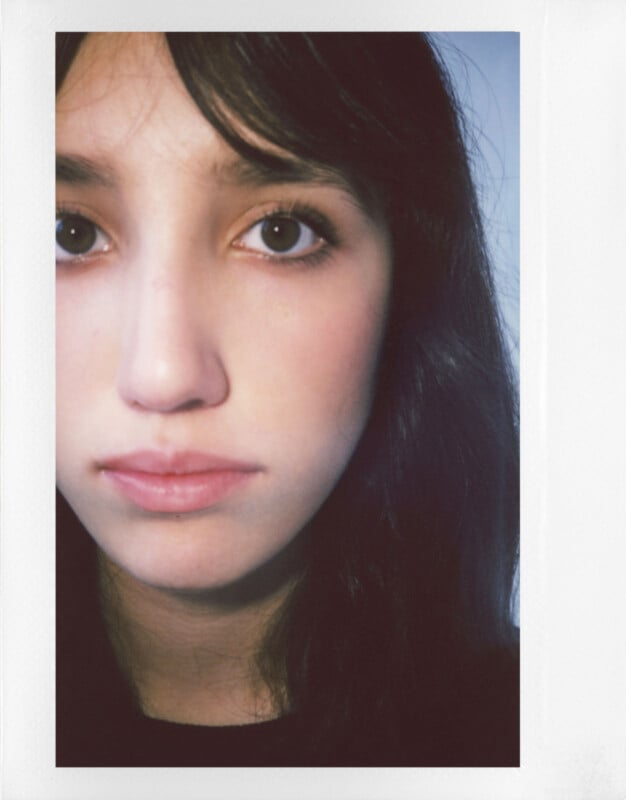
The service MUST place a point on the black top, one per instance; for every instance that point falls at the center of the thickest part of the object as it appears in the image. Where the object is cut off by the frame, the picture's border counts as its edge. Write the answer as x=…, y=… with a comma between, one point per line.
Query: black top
x=98, y=723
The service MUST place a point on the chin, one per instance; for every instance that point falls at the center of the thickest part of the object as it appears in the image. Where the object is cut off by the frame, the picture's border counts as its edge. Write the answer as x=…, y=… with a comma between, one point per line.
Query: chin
x=221, y=573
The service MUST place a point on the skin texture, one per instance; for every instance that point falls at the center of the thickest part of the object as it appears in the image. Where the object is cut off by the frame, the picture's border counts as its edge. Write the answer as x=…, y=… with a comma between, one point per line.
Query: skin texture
x=176, y=332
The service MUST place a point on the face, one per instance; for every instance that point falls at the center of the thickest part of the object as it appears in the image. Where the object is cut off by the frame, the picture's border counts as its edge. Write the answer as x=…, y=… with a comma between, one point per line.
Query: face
x=217, y=329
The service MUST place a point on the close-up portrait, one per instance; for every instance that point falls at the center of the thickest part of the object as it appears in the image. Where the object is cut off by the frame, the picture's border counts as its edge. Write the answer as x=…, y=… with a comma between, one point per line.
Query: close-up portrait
x=287, y=437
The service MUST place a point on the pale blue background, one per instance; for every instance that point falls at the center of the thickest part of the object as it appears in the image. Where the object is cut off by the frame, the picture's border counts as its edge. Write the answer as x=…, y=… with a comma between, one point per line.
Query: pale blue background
x=485, y=69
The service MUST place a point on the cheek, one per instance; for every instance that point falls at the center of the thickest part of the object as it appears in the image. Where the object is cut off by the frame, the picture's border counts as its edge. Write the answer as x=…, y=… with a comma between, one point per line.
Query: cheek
x=87, y=316
x=84, y=365
x=335, y=362
x=314, y=355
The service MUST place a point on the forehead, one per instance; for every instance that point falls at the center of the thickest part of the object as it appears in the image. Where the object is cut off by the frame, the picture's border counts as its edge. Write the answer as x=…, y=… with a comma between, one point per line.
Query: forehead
x=124, y=107
x=125, y=67
x=124, y=88
x=106, y=61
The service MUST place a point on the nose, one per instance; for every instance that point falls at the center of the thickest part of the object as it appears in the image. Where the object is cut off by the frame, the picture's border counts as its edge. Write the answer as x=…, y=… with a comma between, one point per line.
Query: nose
x=169, y=359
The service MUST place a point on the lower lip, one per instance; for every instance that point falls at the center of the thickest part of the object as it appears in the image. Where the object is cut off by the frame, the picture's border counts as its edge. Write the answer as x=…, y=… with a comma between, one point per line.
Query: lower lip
x=177, y=493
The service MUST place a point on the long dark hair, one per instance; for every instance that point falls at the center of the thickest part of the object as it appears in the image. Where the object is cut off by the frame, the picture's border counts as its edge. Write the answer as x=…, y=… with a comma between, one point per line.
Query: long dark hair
x=410, y=563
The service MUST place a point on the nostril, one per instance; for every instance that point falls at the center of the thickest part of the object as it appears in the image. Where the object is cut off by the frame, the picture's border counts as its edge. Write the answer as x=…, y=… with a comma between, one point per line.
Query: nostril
x=180, y=381
x=191, y=405
x=152, y=406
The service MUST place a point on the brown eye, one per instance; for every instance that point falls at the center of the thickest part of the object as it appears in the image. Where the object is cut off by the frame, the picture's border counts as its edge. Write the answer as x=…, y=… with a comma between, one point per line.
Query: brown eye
x=281, y=233
x=78, y=236
x=283, y=237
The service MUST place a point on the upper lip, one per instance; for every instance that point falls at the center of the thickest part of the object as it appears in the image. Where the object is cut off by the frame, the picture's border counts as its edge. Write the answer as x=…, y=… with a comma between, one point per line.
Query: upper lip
x=177, y=462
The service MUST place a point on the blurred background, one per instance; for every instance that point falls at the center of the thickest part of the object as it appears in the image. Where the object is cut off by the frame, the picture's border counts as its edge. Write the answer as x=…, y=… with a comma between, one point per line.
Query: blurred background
x=485, y=70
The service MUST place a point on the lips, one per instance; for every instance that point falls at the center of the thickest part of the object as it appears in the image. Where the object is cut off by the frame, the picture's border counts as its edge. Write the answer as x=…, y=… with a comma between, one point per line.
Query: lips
x=175, y=482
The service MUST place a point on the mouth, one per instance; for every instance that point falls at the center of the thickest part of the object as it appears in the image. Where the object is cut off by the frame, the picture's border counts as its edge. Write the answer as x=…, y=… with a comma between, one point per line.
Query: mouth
x=176, y=482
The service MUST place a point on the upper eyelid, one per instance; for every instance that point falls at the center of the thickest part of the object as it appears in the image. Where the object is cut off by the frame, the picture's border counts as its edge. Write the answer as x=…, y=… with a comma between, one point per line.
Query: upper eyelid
x=71, y=207
x=298, y=218
x=305, y=214
x=303, y=211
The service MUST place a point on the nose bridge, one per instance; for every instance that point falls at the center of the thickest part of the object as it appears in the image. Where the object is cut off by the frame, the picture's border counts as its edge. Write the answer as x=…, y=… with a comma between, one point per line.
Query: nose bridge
x=169, y=355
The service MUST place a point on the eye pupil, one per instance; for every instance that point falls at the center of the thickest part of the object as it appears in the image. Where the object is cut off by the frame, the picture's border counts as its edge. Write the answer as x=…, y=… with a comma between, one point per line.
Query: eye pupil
x=280, y=233
x=75, y=234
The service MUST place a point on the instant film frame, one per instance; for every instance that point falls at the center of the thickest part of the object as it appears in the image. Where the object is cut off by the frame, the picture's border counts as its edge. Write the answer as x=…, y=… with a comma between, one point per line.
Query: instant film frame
x=572, y=661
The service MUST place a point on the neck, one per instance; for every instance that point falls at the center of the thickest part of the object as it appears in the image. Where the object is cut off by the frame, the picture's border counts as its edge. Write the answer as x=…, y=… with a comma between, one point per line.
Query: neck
x=190, y=658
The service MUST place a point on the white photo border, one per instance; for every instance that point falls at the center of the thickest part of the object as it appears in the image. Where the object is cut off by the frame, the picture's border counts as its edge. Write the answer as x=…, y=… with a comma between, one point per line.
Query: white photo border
x=573, y=393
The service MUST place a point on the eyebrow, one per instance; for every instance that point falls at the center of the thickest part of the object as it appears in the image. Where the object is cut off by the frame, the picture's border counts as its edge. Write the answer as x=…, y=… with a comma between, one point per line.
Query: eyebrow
x=274, y=169
x=268, y=169
x=83, y=172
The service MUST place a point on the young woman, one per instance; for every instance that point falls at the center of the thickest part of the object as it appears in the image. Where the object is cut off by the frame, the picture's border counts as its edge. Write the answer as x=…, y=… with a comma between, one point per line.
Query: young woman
x=286, y=432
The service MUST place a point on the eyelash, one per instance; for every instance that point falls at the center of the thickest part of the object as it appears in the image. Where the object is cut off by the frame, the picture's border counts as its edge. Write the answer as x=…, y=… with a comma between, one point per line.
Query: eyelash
x=305, y=215
x=301, y=213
